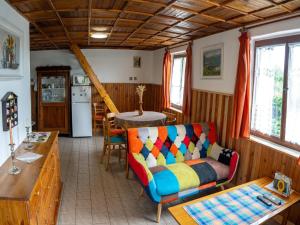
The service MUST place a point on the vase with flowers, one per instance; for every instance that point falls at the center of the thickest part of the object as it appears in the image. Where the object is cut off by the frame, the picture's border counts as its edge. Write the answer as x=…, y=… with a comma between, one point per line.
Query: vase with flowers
x=140, y=92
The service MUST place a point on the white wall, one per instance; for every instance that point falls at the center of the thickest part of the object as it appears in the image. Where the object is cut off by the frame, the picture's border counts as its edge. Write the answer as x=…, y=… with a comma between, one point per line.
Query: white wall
x=112, y=66
x=231, y=48
x=21, y=87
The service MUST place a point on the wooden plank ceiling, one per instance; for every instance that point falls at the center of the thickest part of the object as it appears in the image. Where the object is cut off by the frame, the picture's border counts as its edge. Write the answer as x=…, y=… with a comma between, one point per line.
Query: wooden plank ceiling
x=140, y=24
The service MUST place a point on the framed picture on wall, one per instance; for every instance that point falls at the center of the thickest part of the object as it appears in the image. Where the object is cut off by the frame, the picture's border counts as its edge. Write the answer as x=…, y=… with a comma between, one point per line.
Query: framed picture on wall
x=11, y=51
x=137, y=62
x=212, y=62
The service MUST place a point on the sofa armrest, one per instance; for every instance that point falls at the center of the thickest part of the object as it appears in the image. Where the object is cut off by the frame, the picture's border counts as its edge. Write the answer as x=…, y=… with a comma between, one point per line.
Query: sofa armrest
x=234, y=160
x=138, y=169
x=225, y=156
x=144, y=175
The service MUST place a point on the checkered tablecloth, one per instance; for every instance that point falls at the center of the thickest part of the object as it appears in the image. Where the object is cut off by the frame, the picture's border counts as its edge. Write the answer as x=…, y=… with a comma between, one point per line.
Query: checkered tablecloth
x=238, y=207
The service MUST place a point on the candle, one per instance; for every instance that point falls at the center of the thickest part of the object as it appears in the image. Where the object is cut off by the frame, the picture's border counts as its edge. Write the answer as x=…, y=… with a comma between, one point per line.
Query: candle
x=10, y=133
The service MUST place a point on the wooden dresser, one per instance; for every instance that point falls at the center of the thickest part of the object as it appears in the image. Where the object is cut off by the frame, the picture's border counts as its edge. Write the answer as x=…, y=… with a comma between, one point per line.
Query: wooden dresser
x=33, y=196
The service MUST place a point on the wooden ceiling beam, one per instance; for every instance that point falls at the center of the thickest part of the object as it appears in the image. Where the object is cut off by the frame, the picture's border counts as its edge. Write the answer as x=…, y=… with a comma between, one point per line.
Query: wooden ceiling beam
x=115, y=23
x=202, y=13
x=250, y=13
x=89, y=19
x=279, y=4
x=171, y=3
x=37, y=28
x=43, y=33
x=138, y=13
x=60, y=19
x=16, y=2
x=174, y=25
x=262, y=9
x=158, y=4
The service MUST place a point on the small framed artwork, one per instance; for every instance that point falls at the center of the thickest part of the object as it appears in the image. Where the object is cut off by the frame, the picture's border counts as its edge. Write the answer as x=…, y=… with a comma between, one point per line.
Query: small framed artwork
x=137, y=62
x=212, y=62
x=11, y=51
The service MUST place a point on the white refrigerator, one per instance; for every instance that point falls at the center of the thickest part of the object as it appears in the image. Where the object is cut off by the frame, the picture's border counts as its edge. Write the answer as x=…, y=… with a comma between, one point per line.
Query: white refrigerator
x=81, y=111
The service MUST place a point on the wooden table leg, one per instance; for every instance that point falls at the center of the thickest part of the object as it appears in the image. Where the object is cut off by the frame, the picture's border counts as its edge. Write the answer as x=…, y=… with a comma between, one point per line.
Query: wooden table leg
x=285, y=216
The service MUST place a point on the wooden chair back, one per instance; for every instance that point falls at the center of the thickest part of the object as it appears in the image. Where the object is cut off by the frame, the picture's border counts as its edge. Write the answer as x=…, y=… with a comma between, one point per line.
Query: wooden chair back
x=171, y=118
x=99, y=108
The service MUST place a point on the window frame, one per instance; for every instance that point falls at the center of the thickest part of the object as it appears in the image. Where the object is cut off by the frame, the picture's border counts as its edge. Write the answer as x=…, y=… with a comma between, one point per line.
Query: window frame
x=174, y=56
x=274, y=41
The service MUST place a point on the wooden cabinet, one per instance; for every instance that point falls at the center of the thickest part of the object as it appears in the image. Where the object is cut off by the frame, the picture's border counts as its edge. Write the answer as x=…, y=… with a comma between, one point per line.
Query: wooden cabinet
x=54, y=98
x=33, y=196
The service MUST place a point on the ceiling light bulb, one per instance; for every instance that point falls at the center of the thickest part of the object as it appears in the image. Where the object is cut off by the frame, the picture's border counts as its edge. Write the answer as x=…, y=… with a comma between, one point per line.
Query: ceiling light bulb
x=99, y=35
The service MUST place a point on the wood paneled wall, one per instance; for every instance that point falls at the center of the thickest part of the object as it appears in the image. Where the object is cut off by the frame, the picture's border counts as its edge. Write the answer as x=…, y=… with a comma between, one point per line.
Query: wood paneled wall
x=125, y=98
x=256, y=160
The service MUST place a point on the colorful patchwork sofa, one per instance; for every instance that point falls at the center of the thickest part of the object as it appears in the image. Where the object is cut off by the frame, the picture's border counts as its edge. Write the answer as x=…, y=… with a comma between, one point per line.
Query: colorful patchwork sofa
x=173, y=162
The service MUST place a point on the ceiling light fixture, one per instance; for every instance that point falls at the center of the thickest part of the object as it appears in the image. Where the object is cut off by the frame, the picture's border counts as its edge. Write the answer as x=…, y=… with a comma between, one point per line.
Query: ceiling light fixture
x=98, y=35
x=100, y=29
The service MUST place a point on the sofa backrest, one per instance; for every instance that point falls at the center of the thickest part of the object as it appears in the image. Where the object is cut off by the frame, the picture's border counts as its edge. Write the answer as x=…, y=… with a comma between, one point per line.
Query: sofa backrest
x=170, y=144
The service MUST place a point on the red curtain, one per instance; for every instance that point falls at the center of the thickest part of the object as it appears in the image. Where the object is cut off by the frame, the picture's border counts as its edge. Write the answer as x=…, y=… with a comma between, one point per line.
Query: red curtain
x=166, y=79
x=187, y=92
x=241, y=108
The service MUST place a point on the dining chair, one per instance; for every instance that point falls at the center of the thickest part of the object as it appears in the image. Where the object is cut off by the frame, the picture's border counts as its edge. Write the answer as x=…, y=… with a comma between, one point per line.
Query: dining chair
x=171, y=118
x=114, y=139
x=99, y=110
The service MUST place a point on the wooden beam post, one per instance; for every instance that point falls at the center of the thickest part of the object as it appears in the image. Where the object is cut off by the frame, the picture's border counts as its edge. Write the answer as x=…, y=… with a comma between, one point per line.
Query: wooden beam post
x=93, y=77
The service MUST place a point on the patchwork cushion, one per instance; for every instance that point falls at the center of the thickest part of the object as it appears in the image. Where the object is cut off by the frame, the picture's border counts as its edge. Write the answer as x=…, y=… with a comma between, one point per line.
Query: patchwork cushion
x=205, y=172
x=221, y=170
x=191, y=140
x=166, y=182
x=186, y=176
x=117, y=131
x=220, y=154
x=117, y=139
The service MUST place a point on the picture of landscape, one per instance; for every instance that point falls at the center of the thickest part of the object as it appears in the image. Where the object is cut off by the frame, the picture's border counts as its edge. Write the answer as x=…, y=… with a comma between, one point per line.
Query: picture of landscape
x=212, y=63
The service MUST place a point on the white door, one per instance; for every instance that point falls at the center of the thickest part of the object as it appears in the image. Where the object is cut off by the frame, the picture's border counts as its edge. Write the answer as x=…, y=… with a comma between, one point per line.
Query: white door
x=82, y=119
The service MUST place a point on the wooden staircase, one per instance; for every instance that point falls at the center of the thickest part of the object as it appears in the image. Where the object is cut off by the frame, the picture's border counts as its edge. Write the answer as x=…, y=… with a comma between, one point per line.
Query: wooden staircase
x=93, y=77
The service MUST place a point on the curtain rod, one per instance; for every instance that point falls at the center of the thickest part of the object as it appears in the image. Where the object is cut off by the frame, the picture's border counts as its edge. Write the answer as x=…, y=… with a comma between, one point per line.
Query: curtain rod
x=179, y=45
x=274, y=20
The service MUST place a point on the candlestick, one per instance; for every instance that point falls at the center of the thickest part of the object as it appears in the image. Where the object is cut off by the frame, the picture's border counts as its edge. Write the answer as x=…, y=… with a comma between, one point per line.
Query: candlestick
x=14, y=170
x=10, y=133
x=28, y=145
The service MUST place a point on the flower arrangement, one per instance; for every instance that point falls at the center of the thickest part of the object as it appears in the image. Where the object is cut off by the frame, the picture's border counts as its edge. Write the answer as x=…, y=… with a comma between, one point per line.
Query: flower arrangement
x=9, y=53
x=10, y=43
x=140, y=92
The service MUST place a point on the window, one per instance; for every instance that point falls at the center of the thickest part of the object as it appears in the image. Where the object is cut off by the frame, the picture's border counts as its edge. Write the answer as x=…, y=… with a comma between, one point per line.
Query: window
x=276, y=95
x=177, y=80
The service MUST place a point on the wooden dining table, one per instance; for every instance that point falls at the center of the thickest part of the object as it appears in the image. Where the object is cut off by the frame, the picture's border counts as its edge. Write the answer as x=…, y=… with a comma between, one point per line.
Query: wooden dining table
x=133, y=119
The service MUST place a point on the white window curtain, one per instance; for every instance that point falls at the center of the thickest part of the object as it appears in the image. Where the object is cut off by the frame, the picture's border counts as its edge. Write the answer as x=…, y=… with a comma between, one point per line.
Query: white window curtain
x=269, y=69
x=293, y=96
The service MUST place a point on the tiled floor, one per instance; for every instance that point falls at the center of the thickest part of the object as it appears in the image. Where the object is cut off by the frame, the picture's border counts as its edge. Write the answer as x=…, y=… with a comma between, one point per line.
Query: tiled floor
x=93, y=196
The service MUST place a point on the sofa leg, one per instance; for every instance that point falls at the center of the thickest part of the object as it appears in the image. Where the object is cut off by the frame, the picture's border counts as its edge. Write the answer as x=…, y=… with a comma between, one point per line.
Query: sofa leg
x=159, y=207
x=127, y=167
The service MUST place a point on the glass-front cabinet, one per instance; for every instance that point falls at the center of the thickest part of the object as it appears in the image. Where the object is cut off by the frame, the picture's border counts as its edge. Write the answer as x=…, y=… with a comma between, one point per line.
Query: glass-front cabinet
x=54, y=98
x=53, y=89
